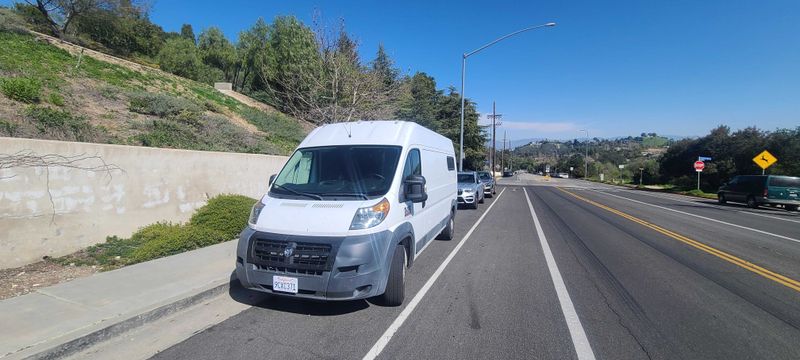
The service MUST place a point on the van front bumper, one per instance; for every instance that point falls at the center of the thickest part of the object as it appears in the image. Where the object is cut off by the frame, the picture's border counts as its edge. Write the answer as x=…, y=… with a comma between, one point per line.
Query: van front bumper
x=356, y=267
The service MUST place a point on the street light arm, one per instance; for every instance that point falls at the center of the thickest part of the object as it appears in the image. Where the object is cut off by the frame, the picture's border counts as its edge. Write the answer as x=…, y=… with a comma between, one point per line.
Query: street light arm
x=506, y=37
x=463, y=77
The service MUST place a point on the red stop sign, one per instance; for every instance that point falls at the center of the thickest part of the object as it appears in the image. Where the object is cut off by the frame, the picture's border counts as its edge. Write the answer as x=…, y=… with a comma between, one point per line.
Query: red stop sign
x=699, y=165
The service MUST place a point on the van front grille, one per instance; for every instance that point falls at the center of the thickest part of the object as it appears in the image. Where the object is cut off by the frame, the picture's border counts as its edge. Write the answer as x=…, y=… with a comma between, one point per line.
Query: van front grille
x=291, y=257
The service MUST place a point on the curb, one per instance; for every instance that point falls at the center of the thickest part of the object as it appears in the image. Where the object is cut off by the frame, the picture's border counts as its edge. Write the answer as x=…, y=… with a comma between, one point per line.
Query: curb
x=84, y=341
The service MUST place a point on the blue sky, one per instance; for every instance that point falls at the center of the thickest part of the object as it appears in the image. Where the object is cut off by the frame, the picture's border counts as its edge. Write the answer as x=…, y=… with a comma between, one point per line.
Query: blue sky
x=677, y=67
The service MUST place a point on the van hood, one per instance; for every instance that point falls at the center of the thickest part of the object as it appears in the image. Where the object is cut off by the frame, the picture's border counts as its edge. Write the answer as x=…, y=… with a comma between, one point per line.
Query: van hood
x=308, y=217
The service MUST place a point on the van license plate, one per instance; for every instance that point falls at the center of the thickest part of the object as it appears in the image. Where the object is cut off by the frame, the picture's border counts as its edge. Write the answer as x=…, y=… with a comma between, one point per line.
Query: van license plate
x=284, y=284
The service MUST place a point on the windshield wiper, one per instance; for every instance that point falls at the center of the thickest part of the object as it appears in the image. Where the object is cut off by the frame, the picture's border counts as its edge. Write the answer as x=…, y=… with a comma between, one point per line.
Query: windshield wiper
x=299, y=193
x=361, y=195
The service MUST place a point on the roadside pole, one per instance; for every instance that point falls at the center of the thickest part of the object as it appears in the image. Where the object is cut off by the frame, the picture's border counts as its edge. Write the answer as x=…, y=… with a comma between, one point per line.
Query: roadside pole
x=699, y=165
x=641, y=173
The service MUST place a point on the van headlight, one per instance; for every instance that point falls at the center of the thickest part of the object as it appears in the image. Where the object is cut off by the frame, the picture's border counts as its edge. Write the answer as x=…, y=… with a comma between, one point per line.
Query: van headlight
x=255, y=212
x=467, y=191
x=370, y=216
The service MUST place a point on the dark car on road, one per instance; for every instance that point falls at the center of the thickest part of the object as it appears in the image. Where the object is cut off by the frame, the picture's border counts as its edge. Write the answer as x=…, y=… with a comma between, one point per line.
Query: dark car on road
x=755, y=190
x=488, y=183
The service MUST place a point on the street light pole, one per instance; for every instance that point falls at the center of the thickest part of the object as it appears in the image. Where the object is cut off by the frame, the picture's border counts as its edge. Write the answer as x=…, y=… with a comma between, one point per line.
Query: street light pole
x=586, y=157
x=463, y=77
x=461, y=142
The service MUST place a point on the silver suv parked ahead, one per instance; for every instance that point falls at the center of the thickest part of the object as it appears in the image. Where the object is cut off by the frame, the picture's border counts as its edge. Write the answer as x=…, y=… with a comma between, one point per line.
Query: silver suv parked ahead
x=470, y=189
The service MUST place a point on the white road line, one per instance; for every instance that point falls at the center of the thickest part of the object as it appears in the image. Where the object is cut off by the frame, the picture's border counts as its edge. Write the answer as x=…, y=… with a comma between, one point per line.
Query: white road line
x=767, y=216
x=703, y=217
x=695, y=202
x=579, y=340
x=398, y=322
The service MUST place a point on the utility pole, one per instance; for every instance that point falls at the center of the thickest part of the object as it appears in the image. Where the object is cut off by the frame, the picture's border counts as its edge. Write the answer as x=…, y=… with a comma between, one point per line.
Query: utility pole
x=510, y=156
x=495, y=123
x=586, y=157
x=503, y=154
x=641, y=173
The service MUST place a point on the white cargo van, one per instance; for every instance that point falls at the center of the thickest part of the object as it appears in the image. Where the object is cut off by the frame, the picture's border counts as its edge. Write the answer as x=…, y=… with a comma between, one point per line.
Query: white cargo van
x=349, y=211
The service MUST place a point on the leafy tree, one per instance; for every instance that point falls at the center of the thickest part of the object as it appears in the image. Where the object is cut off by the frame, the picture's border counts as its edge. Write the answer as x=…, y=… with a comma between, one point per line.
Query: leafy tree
x=122, y=29
x=187, y=32
x=254, y=52
x=420, y=100
x=59, y=14
x=292, y=68
x=383, y=65
x=217, y=52
x=449, y=121
x=180, y=57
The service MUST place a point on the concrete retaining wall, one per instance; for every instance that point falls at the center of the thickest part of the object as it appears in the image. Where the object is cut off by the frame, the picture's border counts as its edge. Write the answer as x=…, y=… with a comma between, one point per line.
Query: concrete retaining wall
x=154, y=185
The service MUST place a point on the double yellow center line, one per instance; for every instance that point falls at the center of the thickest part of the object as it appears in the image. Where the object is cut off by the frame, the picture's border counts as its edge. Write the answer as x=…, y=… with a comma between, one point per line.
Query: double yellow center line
x=783, y=280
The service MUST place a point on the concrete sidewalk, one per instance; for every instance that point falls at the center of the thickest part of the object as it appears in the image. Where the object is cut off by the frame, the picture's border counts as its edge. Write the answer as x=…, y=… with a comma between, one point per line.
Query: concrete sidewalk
x=58, y=320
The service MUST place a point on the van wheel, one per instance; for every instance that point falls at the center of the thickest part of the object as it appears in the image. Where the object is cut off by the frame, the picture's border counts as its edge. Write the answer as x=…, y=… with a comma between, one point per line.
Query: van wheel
x=447, y=233
x=751, y=202
x=791, y=207
x=482, y=199
x=721, y=199
x=395, y=284
x=474, y=204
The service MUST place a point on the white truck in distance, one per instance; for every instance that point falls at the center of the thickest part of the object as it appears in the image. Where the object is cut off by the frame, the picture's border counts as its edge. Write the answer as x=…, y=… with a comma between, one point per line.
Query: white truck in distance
x=351, y=208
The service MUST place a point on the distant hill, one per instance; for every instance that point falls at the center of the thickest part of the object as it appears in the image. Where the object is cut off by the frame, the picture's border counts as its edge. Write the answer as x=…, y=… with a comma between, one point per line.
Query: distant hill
x=56, y=90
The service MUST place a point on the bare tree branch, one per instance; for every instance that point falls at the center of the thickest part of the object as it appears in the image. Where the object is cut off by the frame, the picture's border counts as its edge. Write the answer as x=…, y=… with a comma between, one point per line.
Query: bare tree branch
x=29, y=159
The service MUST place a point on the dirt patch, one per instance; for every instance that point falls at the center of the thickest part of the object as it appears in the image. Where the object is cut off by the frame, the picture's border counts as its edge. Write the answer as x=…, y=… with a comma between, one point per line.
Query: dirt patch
x=29, y=278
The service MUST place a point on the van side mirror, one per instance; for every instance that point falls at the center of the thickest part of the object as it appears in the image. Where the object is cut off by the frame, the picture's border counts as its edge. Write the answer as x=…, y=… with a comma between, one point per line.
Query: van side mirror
x=415, y=188
x=272, y=179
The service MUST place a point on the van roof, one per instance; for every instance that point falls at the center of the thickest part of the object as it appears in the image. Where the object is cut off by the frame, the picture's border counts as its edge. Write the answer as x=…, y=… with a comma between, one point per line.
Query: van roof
x=378, y=132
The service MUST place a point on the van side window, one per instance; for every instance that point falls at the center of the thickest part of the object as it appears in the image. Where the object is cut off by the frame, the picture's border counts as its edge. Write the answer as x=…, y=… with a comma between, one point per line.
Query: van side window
x=451, y=163
x=413, y=164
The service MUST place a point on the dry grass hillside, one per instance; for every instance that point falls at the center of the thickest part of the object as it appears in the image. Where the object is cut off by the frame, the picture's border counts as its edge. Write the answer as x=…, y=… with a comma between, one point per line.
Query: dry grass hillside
x=55, y=90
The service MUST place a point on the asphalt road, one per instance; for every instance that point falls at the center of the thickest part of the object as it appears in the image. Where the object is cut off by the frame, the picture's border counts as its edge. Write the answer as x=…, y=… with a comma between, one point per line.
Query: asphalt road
x=636, y=275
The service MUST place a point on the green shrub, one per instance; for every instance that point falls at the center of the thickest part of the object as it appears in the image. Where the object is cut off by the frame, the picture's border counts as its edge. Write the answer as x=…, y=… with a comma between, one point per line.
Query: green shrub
x=8, y=128
x=212, y=106
x=161, y=105
x=220, y=134
x=169, y=134
x=60, y=123
x=109, y=92
x=21, y=89
x=56, y=99
x=225, y=213
x=189, y=118
x=283, y=130
x=174, y=239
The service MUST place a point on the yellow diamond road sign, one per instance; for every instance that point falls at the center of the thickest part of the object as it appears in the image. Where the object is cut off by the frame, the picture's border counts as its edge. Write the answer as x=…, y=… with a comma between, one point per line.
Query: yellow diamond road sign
x=765, y=159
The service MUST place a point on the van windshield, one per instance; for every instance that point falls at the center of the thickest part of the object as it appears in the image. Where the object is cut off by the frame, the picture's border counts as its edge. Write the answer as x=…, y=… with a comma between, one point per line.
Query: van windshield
x=784, y=181
x=337, y=172
x=485, y=175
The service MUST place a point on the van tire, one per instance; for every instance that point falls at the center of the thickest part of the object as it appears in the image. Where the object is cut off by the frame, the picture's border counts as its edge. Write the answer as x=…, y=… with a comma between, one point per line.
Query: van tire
x=751, y=202
x=791, y=207
x=474, y=204
x=721, y=199
x=483, y=197
x=447, y=233
x=395, y=284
